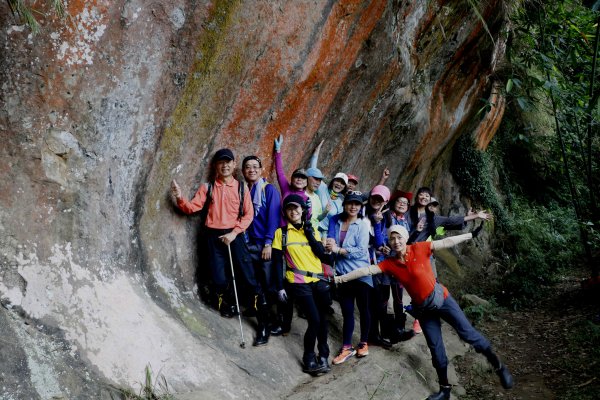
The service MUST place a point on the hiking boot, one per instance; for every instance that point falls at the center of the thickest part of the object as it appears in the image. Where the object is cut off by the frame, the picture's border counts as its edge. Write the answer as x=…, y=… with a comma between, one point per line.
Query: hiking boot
x=506, y=379
x=443, y=394
x=276, y=330
x=344, y=355
x=362, y=350
x=405, y=334
x=377, y=340
x=228, y=311
x=417, y=327
x=311, y=366
x=324, y=364
x=225, y=309
x=262, y=336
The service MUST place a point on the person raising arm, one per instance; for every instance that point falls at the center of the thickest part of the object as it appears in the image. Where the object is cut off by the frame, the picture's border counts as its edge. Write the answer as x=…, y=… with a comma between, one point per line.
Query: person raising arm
x=431, y=301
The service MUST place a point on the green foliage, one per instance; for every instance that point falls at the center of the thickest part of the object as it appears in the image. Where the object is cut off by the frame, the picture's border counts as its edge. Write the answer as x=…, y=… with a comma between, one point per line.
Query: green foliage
x=26, y=12
x=540, y=244
x=552, y=72
x=480, y=312
x=472, y=170
x=153, y=388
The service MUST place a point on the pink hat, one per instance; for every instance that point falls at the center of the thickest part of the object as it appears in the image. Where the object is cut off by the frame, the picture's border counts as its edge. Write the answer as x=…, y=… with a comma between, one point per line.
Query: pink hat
x=382, y=191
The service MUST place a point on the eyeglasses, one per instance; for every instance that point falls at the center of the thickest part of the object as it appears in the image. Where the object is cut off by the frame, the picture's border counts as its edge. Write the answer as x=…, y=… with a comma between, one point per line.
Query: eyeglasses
x=403, y=202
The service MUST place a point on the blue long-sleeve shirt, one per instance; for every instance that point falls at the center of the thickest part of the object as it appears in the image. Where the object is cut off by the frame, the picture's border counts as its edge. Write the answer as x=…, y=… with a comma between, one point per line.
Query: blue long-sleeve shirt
x=265, y=223
x=356, y=243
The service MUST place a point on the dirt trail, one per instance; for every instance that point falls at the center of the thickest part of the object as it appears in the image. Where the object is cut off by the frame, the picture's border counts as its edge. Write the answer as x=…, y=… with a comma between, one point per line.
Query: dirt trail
x=550, y=349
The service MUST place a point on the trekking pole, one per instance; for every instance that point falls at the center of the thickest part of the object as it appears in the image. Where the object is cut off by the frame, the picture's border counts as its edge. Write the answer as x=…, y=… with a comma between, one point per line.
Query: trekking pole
x=237, y=302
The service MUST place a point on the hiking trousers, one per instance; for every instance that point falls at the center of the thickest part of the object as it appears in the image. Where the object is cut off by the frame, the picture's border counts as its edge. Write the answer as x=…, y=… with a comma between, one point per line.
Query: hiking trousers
x=453, y=315
x=219, y=263
x=263, y=269
x=314, y=299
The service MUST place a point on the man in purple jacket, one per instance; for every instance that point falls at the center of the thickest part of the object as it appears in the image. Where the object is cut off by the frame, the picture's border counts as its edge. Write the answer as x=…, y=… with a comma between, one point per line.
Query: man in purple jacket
x=267, y=212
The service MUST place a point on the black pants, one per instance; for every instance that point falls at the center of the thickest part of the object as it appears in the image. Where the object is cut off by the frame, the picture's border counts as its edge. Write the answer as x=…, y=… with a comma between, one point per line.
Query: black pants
x=347, y=293
x=313, y=299
x=263, y=270
x=378, y=305
x=220, y=268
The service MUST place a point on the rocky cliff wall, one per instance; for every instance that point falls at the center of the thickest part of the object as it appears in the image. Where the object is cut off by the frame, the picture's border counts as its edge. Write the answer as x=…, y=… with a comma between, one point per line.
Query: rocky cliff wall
x=102, y=109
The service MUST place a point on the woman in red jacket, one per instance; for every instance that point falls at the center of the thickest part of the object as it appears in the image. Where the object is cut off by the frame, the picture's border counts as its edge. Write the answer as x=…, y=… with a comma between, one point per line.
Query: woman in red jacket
x=431, y=301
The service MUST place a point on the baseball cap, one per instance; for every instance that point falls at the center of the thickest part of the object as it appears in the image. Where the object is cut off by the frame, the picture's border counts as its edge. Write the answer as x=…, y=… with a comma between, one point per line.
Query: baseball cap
x=342, y=176
x=353, y=178
x=223, y=154
x=399, y=229
x=294, y=199
x=382, y=191
x=314, y=173
x=353, y=197
x=300, y=172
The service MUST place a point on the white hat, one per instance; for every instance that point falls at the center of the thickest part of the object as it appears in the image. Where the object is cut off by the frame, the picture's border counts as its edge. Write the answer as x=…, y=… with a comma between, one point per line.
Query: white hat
x=399, y=229
x=342, y=176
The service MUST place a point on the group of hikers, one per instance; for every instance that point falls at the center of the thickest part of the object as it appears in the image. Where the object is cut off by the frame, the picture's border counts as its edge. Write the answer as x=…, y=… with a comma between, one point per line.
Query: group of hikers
x=310, y=242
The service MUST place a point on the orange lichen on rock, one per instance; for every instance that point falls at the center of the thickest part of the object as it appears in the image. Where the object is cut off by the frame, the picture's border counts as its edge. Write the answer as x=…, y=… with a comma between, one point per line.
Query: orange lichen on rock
x=305, y=105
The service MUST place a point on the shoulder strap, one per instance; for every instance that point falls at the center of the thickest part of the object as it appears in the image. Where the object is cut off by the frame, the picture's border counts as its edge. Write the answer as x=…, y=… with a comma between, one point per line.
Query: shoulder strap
x=241, y=193
x=284, y=237
x=292, y=268
x=204, y=211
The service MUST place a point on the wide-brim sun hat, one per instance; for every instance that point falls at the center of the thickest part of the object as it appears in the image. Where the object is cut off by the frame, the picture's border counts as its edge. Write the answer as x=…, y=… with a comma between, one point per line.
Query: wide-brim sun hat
x=400, y=193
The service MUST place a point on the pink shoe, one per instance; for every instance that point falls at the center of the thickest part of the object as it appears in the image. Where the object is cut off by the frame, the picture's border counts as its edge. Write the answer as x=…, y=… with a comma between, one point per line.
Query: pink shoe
x=417, y=327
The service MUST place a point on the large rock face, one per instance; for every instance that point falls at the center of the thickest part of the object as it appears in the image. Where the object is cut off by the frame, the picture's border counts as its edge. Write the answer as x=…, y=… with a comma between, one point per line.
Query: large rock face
x=101, y=110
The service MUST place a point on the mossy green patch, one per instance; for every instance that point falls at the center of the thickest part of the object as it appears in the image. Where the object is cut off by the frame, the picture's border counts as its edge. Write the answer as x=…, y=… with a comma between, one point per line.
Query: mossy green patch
x=200, y=108
x=191, y=322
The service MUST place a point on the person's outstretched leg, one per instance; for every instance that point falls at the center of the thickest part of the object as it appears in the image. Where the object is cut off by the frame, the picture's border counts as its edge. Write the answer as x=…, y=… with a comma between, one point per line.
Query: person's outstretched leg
x=454, y=315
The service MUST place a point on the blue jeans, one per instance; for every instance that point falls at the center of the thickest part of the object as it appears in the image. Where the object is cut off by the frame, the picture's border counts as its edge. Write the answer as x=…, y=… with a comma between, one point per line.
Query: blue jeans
x=453, y=315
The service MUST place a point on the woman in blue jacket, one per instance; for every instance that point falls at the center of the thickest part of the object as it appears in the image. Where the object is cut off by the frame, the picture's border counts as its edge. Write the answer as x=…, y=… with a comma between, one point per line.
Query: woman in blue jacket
x=348, y=239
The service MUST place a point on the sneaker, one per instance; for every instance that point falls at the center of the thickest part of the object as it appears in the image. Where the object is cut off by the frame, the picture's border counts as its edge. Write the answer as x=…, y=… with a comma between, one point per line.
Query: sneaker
x=362, y=350
x=344, y=355
x=417, y=327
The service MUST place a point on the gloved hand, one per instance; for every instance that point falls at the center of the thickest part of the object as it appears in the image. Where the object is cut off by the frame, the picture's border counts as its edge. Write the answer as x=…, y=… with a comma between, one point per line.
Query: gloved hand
x=477, y=230
x=308, y=229
x=278, y=143
x=282, y=295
